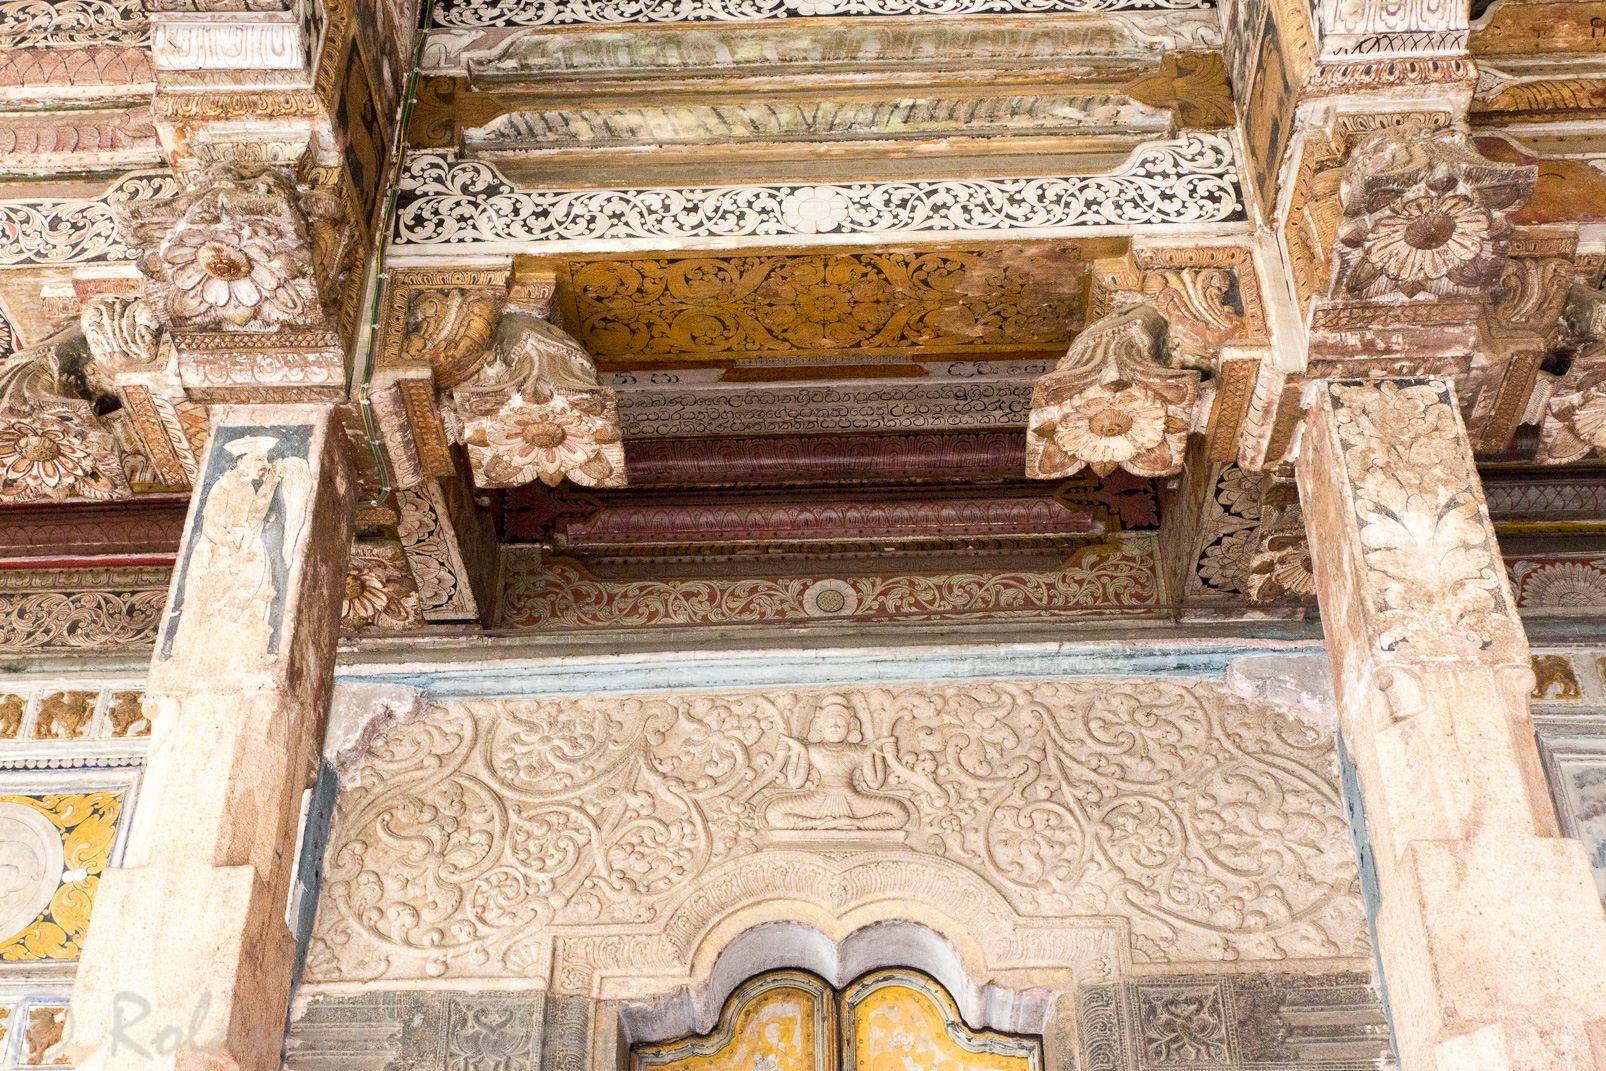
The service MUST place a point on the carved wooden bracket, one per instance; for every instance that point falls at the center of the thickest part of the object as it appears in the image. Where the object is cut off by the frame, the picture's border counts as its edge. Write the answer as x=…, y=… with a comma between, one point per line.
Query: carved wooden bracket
x=1571, y=407
x=1112, y=402
x=536, y=412
x=52, y=443
x=1211, y=299
x=242, y=269
x=437, y=331
x=133, y=359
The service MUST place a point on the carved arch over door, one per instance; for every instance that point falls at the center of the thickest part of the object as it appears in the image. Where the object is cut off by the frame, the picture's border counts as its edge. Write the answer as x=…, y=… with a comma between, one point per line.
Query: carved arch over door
x=887, y=1020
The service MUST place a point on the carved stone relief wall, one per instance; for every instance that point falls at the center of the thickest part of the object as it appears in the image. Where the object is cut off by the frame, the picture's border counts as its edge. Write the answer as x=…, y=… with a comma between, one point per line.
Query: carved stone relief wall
x=1253, y=1022
x=1242, y=1022
x=600, y=844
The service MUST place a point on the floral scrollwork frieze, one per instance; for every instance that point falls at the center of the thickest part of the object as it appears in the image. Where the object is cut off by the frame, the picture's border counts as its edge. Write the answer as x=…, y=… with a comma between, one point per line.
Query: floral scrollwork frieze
x=76, y=232
x=505, y=838
x=1190, y=181
x=1111, y=402
x=552, y=13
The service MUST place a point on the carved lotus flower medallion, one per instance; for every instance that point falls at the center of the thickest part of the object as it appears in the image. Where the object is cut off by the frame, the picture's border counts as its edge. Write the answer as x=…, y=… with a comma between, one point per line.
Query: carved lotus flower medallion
x=57, y=453
x=365, y=596
x=45, y=450
x=235, y=278
x=550, y=441
x=1104, y=427
x=814, y=209
x=1427, y=237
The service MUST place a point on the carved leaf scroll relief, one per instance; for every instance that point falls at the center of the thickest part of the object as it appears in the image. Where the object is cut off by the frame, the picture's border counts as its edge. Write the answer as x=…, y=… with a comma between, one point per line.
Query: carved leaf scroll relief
x=1431, y=570
x=1110, y=403
x=507, y=838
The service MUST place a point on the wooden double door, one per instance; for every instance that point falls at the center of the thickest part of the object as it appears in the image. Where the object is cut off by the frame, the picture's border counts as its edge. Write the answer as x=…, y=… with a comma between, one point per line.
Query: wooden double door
x=888, y=1020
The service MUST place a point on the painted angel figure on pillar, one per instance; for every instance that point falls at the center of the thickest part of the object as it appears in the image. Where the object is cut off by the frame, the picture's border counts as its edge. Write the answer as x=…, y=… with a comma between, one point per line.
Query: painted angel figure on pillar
x=237, y=570
x=847, y=774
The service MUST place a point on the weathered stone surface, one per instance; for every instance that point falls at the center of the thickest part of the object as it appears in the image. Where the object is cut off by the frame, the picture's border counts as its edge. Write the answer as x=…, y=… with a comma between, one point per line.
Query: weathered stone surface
x=191, y=928
x=1489, y=928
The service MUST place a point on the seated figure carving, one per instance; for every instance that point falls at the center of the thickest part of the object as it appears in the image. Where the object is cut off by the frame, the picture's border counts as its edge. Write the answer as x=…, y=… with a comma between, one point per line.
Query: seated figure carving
x=846, y=774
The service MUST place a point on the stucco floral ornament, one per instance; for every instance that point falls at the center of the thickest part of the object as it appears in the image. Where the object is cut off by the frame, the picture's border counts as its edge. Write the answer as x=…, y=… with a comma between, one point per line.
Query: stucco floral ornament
x=815, y=209
x=233, y=253
x=52, y=445
x=536, y=412
x=380, y=591
x=1110, y=403
x=1425, y=216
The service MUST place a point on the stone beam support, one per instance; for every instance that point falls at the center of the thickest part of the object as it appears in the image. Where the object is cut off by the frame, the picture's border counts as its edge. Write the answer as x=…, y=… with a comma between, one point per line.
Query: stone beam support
x=1491, y=935
x=188, y=958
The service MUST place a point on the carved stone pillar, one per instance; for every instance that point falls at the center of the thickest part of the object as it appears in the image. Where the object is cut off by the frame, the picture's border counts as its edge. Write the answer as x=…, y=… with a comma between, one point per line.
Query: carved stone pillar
x=1491, y=934
x=188, y=958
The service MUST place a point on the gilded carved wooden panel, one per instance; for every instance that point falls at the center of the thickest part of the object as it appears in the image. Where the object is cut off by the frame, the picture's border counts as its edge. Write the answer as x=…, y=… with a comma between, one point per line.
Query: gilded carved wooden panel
x=776, y=1022
x=903, y=1021
x=877, y=305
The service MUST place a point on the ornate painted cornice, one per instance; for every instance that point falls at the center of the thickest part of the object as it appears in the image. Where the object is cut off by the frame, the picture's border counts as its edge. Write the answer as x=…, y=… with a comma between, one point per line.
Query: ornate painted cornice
x=40, y=232
x=825, y=49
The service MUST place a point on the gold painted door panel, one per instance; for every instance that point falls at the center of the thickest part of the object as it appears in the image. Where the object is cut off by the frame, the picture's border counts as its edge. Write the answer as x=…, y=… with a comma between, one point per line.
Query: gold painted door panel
x=891, y=1020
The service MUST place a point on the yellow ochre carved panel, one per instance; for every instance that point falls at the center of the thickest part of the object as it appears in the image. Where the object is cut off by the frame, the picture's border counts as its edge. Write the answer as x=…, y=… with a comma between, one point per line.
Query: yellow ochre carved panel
x=776, y=1022
x=903, y=1021
x=888, y=303
x=55, y=848
x=890, y=1020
